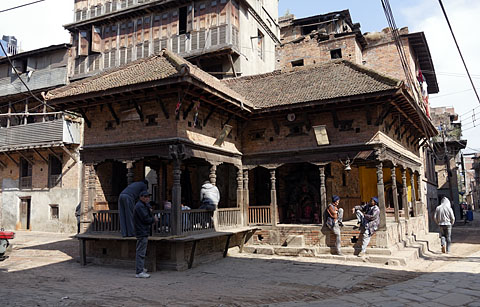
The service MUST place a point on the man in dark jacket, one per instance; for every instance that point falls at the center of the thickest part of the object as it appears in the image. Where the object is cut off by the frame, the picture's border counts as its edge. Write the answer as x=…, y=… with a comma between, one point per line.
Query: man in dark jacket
x=126, y=204
x=143, y=218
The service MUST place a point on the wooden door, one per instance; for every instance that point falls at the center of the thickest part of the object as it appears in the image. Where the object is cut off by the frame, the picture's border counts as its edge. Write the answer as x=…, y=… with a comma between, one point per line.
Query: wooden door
x=25, y=214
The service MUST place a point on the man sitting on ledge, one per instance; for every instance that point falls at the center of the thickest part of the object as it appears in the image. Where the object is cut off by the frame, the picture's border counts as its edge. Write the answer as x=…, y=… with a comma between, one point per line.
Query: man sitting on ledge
x=368, y=217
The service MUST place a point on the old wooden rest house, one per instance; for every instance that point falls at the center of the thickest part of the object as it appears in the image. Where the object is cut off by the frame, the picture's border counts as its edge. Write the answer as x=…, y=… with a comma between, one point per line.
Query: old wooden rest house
x=277, y=145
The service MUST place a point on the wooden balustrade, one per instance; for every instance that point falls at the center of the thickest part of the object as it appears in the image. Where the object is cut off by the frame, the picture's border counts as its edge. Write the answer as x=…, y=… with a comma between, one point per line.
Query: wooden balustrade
x=259, y=215
x=229, y=217
x=106, y=221
x=197, y=221
x=162, y=226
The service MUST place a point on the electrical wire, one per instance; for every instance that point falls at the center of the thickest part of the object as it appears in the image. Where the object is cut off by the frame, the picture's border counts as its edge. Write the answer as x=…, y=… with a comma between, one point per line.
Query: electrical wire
x=459, y=51
x=19, y=6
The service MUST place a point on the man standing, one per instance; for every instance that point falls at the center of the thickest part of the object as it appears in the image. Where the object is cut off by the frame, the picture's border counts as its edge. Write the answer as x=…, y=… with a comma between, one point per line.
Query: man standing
x=445, y=219
x=209, y=196
x=368, y=217
x=126, y=204
x=144, y=218
x=334, y=218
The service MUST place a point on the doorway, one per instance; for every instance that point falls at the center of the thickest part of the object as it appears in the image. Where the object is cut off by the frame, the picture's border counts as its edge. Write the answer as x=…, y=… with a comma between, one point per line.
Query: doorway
x=25, y=210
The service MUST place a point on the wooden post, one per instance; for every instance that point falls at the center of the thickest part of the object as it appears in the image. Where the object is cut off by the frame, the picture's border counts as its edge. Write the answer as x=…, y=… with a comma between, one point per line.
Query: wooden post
x=9, y=118
x=406, y=209
x=419, y=193
x=91, y=191
x=273, y=197
x=395, y=194
x=414, y=198
x=176, y=222
x=323, y=194
x=129, y=172
x=44, y=119
x=213, y=174
x=381, y=196
x=25, y=118
x=240, y=193
x=246, y=197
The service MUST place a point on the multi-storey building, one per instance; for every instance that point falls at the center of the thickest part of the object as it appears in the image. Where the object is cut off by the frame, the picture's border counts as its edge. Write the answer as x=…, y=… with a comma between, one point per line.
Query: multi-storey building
x=9, y=44
x=39, y=165
x=226, y=38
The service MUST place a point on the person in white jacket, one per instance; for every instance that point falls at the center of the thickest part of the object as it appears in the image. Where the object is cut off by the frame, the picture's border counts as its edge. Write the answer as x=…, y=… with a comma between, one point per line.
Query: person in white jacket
x=209, y=196
x=445, y=219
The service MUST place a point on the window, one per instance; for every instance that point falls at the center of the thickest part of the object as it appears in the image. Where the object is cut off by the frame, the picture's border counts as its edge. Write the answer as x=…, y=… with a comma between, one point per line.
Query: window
x=336, y=54
x=182, y=26
x=25, y=174
x=297, y=63
x=260, y=45
x=54, y=171
x=54, y=212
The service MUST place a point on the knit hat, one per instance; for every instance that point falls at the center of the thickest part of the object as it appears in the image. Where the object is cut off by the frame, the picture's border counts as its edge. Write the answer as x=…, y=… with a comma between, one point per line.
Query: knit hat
x=375, y=199
x=335, y=198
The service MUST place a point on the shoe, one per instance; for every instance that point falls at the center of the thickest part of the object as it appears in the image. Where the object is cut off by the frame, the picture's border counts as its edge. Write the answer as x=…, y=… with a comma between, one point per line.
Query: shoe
x=340, y=224
x=444, y=249
x=145, y=270
x=361, y=254
x=142, y=275
x=339, y=254
x=356, y=227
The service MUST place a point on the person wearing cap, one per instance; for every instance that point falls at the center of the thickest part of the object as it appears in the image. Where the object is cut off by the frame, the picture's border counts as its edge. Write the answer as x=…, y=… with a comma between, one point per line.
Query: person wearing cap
x=126, y=204
x=143, y=219
x=368, y=217
x=334, y=218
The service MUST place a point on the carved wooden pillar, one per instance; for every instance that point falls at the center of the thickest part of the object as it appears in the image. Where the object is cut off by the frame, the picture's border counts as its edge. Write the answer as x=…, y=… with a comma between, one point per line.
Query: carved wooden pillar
x=176, y=217
x=91, y=193
x=246, y=196
x=130, y=173
x=395, y=194
x=323, y=193
x=240, y=193
x=273, y=197
x=381, y=196
x=420, y=210
x=414, y=197
x=406, y=208
x=213, y=174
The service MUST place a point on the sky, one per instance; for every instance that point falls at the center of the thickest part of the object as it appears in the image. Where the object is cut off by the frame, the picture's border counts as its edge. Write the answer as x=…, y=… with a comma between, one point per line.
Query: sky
x=40, y=25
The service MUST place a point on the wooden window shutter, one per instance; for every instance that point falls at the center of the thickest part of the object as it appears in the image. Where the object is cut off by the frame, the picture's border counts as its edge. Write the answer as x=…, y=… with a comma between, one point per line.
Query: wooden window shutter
x=146, y=28
x=106, y=39
x=96, y=39
x=83, y=43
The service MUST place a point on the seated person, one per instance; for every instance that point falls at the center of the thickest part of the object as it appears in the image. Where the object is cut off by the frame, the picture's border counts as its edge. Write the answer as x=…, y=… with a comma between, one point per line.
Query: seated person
x=368, y=217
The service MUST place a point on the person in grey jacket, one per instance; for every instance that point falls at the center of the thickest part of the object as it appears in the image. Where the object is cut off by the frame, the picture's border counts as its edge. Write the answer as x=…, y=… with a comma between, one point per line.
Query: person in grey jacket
x=209, y=196
x=445, y=219
x=126, y=204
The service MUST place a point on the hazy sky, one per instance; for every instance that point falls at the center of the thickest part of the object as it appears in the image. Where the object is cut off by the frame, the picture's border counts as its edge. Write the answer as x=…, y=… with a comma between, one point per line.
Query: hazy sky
x=40, y=25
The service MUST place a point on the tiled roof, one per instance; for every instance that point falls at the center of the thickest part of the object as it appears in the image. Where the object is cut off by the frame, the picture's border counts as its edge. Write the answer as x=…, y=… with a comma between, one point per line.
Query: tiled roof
x=157, y=67
x=332, y=80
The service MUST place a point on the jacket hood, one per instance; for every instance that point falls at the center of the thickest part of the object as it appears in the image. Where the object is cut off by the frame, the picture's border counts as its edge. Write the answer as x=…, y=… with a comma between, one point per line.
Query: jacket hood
x=445, y=202
x=207, y=185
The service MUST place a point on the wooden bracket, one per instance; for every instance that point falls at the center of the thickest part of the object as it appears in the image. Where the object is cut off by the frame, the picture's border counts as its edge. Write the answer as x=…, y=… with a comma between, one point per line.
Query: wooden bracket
x=139, y=111
x=54, y=154
x=26, y=158
x=70, y=154
x=11, y=158
x=386, y=110
x=84, y=115
x=190, y=107
x=233, y=66
x=40, y=155
x=2, y=165
x=164, y=110
x=208, y=116
x=336, y=122
x=228, y=120
x=110, y=107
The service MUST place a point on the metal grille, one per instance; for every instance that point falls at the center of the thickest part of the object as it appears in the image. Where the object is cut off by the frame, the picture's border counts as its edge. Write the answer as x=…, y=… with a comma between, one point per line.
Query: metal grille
x=81, y=66
x=123, y=52
x=106, y=60
x=54, y=181
x=201, y=39
x=175, y=44
x=130, y=3
x=163, y=44
x=194, y=40
x=84, y=14
x=93, y=11
x=96, y=63
x=223, y=35
x=234, y=36
x=78, y=15
x=139, y=51
x=113, y=57
x=214, y=34
x=146, y=49
x=183, y=40
x=108, y=7
x=156, y=46
x=26, y=182
x=129, y=54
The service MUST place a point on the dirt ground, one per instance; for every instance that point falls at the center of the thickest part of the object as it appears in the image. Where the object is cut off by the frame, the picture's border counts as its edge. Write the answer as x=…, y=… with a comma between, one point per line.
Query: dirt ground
x=43, y=270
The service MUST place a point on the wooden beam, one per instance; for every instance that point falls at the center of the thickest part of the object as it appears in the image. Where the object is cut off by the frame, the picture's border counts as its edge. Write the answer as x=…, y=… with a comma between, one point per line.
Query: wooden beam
x=38, y=153
x=385, y=111
x=54, y=154
x=205, y=121
x=70, y=154
x=228, y=120
x=26, y=158
x=233, y=66
x=11, y=158
x=139, y=110
x=2, y=165
x=190, y=107
x=84, y=115
x=110, y=107
x=164, y=110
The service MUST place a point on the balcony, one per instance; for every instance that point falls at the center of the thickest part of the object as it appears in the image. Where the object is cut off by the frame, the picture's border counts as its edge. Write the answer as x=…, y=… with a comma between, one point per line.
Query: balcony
x=63, y=129
x=106, y=8
x=195, y=43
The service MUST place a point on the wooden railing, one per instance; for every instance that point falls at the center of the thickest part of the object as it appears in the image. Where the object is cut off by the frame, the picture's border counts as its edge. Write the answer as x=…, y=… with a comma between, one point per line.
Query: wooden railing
x=162, y=227
x=259, y=215
x=106, y=221
x=197, y=221
x=229, y=217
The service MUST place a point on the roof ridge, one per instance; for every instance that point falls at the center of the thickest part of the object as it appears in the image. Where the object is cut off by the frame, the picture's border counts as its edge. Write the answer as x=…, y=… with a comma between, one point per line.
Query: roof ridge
x=372, y=73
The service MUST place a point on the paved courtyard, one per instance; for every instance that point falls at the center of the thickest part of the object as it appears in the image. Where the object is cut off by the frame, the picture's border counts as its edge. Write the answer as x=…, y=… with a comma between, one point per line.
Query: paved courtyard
x=43, y=270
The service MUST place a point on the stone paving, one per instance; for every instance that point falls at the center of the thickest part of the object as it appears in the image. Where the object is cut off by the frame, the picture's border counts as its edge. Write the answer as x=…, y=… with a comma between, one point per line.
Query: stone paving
x=43, y=270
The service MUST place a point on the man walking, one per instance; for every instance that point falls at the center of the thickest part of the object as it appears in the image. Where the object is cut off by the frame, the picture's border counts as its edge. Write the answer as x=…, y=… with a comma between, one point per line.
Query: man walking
x=445, y=219
x=368, y=217
x=334, y=218
x=209, y=196
x=144, y=218
x=126, y=204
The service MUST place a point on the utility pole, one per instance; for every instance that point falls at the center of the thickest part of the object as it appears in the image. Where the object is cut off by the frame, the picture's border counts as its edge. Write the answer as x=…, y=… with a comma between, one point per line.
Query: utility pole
x=447, y=162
